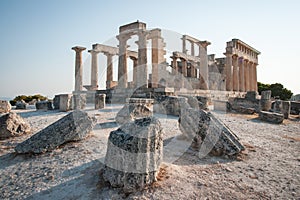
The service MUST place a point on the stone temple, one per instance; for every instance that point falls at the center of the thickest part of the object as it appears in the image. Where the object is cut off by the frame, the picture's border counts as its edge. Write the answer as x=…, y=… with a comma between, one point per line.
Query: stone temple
x=191, y=72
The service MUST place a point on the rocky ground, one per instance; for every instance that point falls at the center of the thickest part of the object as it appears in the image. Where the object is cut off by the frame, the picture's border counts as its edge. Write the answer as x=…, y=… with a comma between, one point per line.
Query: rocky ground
x=269, y=168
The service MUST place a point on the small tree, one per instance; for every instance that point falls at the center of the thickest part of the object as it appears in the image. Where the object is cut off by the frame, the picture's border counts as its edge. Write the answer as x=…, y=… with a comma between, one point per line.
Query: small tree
x=277, y=89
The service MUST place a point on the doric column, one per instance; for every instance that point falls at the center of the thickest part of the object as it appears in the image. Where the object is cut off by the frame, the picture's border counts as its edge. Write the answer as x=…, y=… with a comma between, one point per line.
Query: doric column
x=174, y=65
x=78, y=67
x=235, y=73
x=247, y=75
x=109, y=69
x=203, y=65
x=94, y=69
x=135, y=64
x=184, y=67
x=158, y=53
x=142, y=70
x=192, y=49
x=229, y=72
x=255, y=76
x=241, y=75
x=193, y=73
x=184, y=44
x=122, y=65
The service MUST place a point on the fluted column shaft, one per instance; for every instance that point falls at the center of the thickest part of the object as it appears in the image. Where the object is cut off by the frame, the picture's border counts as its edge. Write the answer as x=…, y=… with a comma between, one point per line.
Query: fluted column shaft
x=241, y=75
x=142, y=70
x=229, y=72
x=235, y=72
x=122, y=65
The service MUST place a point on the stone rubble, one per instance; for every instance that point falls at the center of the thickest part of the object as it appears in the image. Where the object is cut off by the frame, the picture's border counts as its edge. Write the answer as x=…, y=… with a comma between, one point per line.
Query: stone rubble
x=72, y=127
x=134, y=154
x=12, y=125
x=43, y=105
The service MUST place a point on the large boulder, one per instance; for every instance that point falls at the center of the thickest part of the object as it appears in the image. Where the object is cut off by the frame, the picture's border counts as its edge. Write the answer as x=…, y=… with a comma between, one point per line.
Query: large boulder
x=5, y=106
x=134, y=154
x=271, y=117
x=73, y=127
x=12, y=125
x=209, y=134
x=130, y=112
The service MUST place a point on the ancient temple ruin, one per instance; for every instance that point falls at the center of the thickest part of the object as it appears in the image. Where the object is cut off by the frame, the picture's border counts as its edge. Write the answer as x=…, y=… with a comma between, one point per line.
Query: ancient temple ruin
x=189, y=73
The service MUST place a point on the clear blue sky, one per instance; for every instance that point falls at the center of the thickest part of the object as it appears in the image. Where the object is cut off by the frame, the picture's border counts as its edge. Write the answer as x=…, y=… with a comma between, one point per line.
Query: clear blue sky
x=37, y=35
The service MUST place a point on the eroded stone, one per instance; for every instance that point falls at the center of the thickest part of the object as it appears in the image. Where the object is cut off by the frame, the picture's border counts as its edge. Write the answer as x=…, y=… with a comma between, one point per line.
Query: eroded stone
x=72, y=127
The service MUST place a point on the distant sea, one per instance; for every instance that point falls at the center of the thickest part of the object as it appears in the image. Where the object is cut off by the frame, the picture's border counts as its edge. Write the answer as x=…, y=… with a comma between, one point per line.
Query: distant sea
x=6, y=98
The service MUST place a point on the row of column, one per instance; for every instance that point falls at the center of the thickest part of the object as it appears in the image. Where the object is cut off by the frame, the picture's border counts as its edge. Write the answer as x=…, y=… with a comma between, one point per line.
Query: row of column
x=241, y=74
x=94, y=68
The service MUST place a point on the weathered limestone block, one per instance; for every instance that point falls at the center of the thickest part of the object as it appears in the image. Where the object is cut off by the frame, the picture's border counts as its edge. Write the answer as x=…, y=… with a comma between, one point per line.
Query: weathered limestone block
x=99, y=101
x=251, y=95
x=244, y=105
x=198, y=102
x=44, y=105
x=265, y=100
x=130, y=112
x=286, y=109
x=134, y=154
x=277, y=106
x=271, y=117
x=209, y=134
x=221, y=105
x=56, y=101
x=12, y=125
x=79, y=101
x=72, y=127
x=295, y=107
x=21, y=105
x=65, y=102
x=169, y=105
x=4, y=106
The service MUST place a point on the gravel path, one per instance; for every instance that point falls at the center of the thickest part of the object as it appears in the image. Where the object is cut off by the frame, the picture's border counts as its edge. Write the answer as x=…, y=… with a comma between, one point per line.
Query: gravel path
x=269, y=168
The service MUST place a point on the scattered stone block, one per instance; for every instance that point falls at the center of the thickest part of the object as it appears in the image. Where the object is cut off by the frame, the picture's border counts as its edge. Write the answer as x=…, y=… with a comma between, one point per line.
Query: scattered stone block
x=130, y=112
x=198, y=102
x=286, y=109
x=12, y=125
x=271, y=117
x=56, y=101
x=265, y=100
x=72, y=127
x=79, y=101
x=169, y=105
x=65, y=102
x=295, y=107
x=277, y=106
x=21, y=105
x=251, y=95
x=99, y=101
x=221, y=106
x=209, y=134
x=134, y=154
x=5, y=106
x=44, y=105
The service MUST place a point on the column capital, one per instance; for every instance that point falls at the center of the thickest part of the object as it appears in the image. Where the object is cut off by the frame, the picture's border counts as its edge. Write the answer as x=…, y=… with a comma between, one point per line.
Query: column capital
x=78, y=48
x=93, y=51
x=204, y=43
x=123, y=37
x=235, y=56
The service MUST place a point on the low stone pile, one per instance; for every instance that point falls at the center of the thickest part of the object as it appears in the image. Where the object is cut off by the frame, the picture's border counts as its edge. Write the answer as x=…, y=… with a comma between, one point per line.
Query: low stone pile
x=209, y=134
x=73, y=127
x=134, y=154
x=12, y=125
